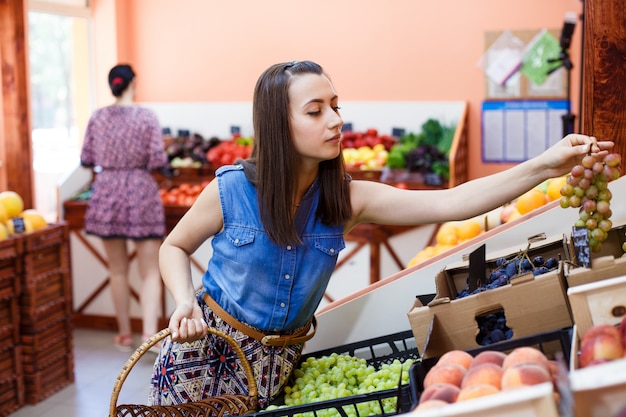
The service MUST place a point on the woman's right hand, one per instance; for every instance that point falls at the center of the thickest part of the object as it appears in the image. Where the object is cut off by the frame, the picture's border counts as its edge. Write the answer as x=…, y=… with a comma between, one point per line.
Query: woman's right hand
x=187, y=323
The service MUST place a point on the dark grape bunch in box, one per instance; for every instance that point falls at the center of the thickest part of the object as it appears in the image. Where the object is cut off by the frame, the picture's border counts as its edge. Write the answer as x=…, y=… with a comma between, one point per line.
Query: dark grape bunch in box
x=509, y=268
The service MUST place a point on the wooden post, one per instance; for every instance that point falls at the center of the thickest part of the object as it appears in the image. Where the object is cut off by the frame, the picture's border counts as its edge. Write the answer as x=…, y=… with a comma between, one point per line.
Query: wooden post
x=604, y=72
x=15, y=146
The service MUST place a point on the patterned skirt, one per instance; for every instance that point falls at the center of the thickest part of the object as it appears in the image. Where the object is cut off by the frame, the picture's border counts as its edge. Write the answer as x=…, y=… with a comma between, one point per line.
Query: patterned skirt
x=209, y=367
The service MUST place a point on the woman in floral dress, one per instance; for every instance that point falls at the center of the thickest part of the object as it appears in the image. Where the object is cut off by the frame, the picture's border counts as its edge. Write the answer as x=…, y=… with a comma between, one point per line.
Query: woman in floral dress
x=123, y=143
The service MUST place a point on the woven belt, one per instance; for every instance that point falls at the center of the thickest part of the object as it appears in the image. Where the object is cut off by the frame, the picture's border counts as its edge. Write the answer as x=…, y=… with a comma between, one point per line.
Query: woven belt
x=300, y=336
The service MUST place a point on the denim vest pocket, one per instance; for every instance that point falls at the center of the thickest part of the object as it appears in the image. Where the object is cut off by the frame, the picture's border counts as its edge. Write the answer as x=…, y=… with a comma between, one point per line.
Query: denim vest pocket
x=240, y=237
x=329, y=245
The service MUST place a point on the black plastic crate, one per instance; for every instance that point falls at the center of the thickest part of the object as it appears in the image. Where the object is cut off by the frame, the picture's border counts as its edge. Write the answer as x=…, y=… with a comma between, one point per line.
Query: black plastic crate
x=377, y=352
x=541, y=341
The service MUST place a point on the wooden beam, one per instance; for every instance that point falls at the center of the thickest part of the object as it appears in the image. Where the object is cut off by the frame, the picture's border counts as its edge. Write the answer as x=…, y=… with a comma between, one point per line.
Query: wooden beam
x=16, y=169
x=604, y=72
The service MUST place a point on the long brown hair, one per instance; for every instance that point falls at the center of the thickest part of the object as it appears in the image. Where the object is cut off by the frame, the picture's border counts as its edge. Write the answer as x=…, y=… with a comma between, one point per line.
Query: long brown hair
x=276, y=159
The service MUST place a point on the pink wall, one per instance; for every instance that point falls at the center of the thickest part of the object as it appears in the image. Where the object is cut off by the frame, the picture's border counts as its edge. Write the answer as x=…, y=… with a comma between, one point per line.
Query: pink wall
x=198, y=50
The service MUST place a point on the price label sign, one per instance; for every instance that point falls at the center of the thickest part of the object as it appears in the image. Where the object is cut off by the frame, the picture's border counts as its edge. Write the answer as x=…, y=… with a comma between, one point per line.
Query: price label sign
x=580, y=239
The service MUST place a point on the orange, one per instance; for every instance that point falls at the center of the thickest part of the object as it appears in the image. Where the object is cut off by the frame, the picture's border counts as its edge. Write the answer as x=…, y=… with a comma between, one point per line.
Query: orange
x=4, y=233
x=554, y=188
x=531, y=200
x=447, y=234
x=12, y=202
x=35, y=218
x=468, y=229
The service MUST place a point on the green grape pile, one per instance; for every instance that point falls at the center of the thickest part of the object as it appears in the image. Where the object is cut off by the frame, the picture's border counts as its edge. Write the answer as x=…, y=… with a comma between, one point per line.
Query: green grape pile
x=339, y=375
x=587, y=189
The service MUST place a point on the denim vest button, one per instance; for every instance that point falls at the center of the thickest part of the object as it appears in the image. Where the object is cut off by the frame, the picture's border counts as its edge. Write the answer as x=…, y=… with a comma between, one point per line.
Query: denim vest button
x=287, y=276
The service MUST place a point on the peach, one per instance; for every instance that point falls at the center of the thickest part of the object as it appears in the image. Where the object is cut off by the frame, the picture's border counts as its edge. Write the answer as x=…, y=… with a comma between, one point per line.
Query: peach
x=460, y=357
x=489, y=356
x=485, y=374
x=476, y=391
x=602, y=346
x=441, y=391
x=430, y=404
x=525, y=354
x=599, y=329
x=450, y=373
x=524, y=374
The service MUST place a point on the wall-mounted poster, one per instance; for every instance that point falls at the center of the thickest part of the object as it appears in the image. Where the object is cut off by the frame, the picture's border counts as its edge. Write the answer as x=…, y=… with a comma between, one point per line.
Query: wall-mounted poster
x=517, y=130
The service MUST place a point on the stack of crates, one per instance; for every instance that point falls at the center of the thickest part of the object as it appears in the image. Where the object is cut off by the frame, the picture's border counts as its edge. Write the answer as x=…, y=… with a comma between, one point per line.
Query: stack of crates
x=11, y=375
x=45, y=305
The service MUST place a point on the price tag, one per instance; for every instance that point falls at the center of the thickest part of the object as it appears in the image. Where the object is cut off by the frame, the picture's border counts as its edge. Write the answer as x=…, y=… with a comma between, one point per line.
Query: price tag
x=347, y=127
x=580, y=239
x=18, y=225
x=477, y=268
x=235, y=130
x=397, y=132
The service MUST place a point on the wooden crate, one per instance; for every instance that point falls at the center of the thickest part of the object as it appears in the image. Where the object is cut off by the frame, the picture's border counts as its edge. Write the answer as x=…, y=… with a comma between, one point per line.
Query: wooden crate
x=11, y=395
x=39, y=293
x=35, y=343
x=44, y=260
x=50, y=379
x=9, y=248
x=52, y=235
x=32, y=322
x=35, y=360
x=9, y=319
x=10, y=359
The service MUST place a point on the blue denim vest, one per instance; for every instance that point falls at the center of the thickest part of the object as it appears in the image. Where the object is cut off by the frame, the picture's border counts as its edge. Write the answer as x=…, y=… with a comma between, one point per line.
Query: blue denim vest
x=270, y=287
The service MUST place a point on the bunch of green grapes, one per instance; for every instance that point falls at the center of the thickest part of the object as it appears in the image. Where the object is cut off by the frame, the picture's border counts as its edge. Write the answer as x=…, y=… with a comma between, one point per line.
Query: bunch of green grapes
x=340, y=375
x=587, y=189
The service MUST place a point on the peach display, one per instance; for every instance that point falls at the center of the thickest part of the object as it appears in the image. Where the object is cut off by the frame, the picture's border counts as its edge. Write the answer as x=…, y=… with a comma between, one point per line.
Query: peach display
x=458, y=376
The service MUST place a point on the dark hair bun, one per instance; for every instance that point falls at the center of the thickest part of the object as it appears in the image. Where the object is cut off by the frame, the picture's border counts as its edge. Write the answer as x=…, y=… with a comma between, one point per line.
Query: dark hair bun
x=119, y=78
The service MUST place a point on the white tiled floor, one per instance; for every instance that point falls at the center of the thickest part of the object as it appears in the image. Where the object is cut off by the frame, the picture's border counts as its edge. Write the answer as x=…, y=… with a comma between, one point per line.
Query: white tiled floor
x=96, y=366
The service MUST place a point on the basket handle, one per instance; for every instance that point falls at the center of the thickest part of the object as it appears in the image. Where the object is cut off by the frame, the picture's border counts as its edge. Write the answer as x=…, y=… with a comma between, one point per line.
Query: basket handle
x=153, y=340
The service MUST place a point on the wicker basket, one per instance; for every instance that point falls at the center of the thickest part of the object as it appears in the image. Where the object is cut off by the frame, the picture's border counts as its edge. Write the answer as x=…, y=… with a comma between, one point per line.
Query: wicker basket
x=221, y=406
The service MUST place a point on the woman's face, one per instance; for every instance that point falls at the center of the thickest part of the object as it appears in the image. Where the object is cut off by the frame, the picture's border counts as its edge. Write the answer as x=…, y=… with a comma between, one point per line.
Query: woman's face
x=314, y=117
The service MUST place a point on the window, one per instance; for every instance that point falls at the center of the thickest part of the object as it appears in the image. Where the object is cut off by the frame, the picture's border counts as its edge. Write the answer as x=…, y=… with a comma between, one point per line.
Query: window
x=60, y=96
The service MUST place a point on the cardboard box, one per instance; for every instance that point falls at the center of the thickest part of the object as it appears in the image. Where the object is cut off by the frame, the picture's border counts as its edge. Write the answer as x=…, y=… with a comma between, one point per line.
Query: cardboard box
x=602, y=302
x=533, y=401
x=598, y=390
x=601, y=268
x=531, y=304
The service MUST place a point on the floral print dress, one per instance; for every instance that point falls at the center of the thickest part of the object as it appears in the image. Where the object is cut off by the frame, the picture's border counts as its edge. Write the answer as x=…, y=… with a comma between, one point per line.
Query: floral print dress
x=123, y=144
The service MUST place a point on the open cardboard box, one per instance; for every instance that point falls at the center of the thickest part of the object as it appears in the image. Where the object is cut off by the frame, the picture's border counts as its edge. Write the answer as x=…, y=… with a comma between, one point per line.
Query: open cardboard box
x=587, y=266
x=531, y=304
x=601, y=268
x=598, y=390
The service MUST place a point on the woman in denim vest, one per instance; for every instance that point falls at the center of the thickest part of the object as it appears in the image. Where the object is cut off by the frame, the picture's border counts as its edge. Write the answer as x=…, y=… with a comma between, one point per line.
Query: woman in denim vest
x=277, y=221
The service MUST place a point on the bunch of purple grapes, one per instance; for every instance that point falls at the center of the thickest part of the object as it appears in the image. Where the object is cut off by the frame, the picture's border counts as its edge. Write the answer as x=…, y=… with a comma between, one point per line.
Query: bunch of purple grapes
x=587, y=189
x=509, y=268
x=492, y=328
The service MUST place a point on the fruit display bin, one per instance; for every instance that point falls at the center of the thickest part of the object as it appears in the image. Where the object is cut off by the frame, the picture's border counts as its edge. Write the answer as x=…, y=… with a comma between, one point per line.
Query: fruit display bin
x=376, y=352
x=553, y=344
